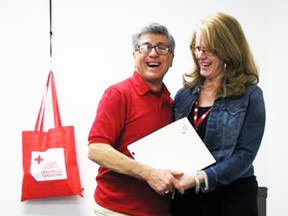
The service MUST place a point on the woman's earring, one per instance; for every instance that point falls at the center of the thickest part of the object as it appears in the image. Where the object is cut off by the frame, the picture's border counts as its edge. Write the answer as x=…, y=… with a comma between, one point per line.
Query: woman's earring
x=225, y=65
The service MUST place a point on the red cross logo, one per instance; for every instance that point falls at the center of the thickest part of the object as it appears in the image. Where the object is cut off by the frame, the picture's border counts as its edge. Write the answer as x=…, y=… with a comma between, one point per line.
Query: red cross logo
x=38, y=159
x=184, y=129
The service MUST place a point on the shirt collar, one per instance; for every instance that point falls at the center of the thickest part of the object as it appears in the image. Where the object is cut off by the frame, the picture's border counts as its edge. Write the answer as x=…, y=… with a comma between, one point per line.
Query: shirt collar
x=141, y=86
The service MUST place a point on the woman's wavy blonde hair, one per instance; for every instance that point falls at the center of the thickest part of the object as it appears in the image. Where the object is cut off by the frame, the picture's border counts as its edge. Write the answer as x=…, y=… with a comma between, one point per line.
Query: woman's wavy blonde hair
x=225, y=38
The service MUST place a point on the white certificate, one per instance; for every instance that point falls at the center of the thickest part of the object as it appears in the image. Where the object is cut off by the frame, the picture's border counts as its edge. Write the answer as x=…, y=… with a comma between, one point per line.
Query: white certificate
x=176, y=146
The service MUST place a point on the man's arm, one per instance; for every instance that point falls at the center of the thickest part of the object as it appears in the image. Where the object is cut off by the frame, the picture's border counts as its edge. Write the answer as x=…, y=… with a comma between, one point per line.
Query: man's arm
x=106, y=156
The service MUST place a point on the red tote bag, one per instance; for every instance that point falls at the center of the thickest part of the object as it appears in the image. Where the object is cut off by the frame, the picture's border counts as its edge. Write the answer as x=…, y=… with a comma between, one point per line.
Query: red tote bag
x=49, y=157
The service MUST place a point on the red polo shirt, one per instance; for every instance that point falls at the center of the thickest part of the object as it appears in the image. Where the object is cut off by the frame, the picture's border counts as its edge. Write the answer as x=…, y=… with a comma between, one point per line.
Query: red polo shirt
x=127, y=112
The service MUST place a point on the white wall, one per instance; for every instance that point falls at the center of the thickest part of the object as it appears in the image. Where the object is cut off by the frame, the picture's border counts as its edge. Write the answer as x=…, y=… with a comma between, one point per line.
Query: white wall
x=92, y=49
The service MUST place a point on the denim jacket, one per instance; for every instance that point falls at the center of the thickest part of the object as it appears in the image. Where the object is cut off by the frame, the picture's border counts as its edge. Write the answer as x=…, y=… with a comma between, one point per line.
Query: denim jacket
x=234, y=131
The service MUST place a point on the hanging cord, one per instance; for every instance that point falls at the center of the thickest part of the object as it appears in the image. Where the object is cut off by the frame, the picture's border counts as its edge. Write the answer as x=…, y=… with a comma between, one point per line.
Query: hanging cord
x=51, y=33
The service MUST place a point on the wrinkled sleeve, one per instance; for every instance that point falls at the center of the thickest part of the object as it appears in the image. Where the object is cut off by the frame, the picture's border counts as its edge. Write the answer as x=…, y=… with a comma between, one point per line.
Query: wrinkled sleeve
x=248, y=144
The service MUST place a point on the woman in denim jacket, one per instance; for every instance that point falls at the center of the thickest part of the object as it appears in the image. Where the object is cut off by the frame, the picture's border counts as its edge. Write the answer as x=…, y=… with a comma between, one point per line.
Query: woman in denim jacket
x=226, y=107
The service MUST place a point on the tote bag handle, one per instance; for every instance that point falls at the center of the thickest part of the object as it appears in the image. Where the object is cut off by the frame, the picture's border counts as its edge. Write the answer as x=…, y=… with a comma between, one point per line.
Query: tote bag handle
x=40, y=118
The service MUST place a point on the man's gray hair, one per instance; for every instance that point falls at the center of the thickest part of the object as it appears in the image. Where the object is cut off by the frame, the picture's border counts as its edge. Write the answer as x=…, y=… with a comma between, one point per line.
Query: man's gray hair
x=153, y=28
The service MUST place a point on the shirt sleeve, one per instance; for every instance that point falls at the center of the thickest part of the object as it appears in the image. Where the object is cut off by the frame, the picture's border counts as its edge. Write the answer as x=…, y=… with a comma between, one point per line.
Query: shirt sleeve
x=110, y=117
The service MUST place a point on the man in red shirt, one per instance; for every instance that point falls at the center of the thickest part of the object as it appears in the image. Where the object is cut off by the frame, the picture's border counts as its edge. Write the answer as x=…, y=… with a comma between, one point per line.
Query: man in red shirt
x=128, y=111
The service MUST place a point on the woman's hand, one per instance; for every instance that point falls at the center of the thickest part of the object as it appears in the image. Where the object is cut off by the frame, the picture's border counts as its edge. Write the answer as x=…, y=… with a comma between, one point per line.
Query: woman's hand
x=185, y=181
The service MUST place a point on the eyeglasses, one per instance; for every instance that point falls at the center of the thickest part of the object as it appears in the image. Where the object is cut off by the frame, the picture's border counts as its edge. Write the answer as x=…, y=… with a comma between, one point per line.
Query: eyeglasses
x=147, y=48
x=196, y=50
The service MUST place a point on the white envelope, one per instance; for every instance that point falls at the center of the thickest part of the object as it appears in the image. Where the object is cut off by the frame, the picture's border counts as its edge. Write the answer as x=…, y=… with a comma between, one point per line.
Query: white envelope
x=176, y=146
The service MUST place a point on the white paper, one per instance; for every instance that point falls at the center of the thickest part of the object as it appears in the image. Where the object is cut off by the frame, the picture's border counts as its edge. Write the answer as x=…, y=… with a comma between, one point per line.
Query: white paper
x=176, y=146
x=48, y=165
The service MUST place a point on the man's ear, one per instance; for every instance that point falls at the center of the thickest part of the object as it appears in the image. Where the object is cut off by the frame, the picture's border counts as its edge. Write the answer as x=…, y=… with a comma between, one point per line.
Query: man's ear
x=133, y=53
x=171, y=62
